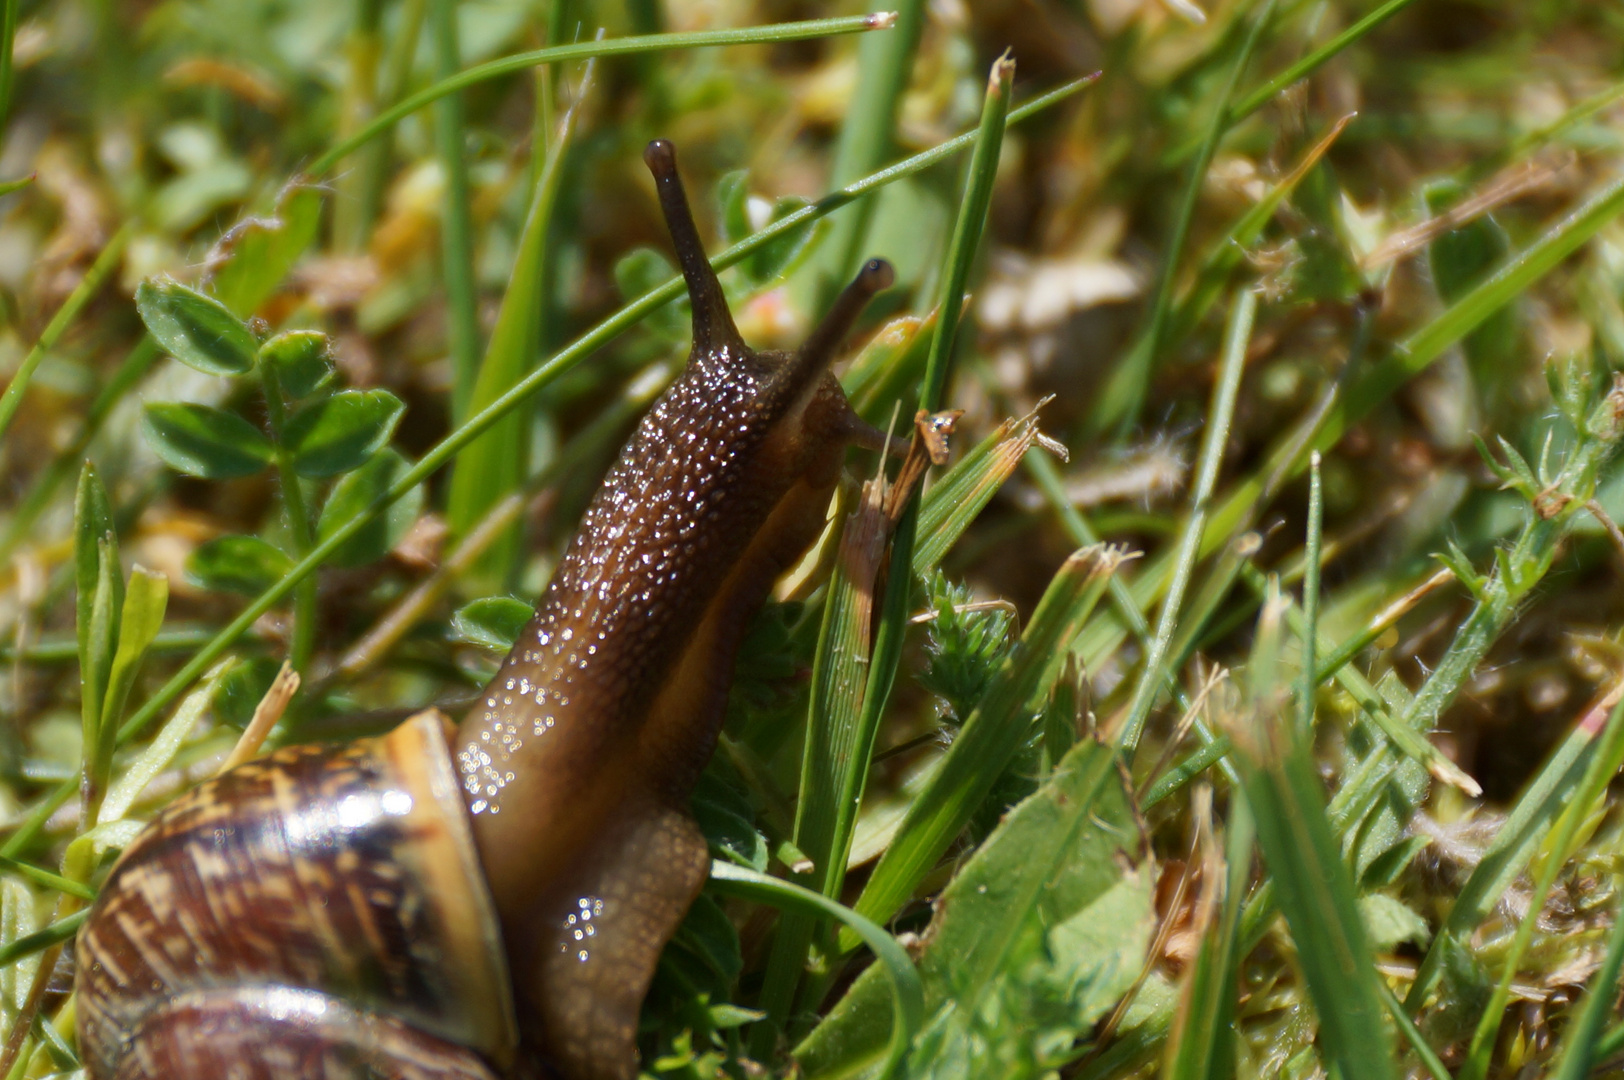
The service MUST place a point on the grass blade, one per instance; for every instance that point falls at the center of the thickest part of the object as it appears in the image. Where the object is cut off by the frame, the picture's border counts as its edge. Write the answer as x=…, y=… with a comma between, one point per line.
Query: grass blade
x=1124, y=393
x=1311, y=880
x=1581, y=1040
x=1603, y=766
x=867, y=135
x=1222, y=412
x=1412, y=1034
x=1052, y=867
x=88, y=287
x=835, y=747
x=626, y=46
x=852, y=733
x=1312, y=62
x=8, y=37
x=907, y=998
x=990, y=737
x=1202, y=1043
x=456, y=222
x=492, y=466
x=956, y=497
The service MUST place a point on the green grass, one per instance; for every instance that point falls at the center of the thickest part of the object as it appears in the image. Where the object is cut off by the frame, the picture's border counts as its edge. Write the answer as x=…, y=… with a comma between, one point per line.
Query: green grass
x=1300, y=762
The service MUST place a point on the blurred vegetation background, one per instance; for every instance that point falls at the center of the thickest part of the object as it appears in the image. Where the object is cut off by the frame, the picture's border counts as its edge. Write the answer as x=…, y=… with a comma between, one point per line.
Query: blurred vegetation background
x=1383, y=233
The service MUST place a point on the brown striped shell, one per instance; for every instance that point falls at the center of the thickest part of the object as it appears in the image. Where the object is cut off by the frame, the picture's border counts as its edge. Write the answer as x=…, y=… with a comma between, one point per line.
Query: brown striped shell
x=318, y=913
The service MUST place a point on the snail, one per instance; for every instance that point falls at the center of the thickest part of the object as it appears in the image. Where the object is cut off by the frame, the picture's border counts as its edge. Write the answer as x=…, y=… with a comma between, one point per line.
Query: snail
x=479, y=902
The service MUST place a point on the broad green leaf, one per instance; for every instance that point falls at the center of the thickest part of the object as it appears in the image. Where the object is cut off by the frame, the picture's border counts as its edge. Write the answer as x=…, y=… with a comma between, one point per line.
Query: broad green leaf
x=354, y=494
x=1390, y=923
x=145, y=598
x=706, y=946
x=196, y=329
x=1044, y=918
x=494, y=622
x=263, y=250
x=642, y=270
x=336, y=434
x=241, y=564
x=19, y=919
x=241, y=689
x=991, y=736
x=301, y=361
x=778, y=258
x=906, y=995
x=201, y=441
x=733, y=202
x=727, y=819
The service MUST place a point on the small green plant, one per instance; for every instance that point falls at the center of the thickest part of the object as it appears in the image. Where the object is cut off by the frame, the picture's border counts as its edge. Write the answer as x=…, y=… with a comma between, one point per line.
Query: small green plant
x=328, y=447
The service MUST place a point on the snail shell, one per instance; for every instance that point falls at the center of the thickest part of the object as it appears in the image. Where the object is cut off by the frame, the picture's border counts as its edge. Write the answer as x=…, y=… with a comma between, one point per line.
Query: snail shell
x=317, y=913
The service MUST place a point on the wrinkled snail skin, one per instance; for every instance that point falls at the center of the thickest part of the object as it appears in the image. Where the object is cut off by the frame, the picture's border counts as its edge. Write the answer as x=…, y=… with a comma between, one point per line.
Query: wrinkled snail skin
x=338, y=913
x=579, y=761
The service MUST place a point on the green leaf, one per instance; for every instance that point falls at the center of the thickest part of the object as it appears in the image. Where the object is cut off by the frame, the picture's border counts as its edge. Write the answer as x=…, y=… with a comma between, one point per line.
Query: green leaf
x=773, y=261
x=710, y=944
x=240, y=564
x=95, y=664
x=155, y=758
x=196, y=329
x=733, y=200
x=906, y=994
x=241, y=689
x=263, y=250
x=1018, y=928
x=1390, y=923
x=92, y=523
x=143, y=616
x=338, y=433
x=201, y=441
x=642, y=270
x=992, y=734
x=727, y=819
x=494, y=622
x=301, y=361
x=145, y=598
x=354, y=494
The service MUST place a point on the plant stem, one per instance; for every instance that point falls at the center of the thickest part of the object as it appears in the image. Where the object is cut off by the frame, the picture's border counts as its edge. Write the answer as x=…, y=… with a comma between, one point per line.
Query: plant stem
x=456, y=222
x=87, y=288
x=304, y=596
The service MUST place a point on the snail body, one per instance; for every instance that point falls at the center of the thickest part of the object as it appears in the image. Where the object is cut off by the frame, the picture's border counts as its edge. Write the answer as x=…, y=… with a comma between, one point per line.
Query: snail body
x=359, y=910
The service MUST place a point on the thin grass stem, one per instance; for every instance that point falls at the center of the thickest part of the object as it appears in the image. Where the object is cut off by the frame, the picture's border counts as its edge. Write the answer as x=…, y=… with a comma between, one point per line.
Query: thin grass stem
x=88, y=287
x=1219, y=418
